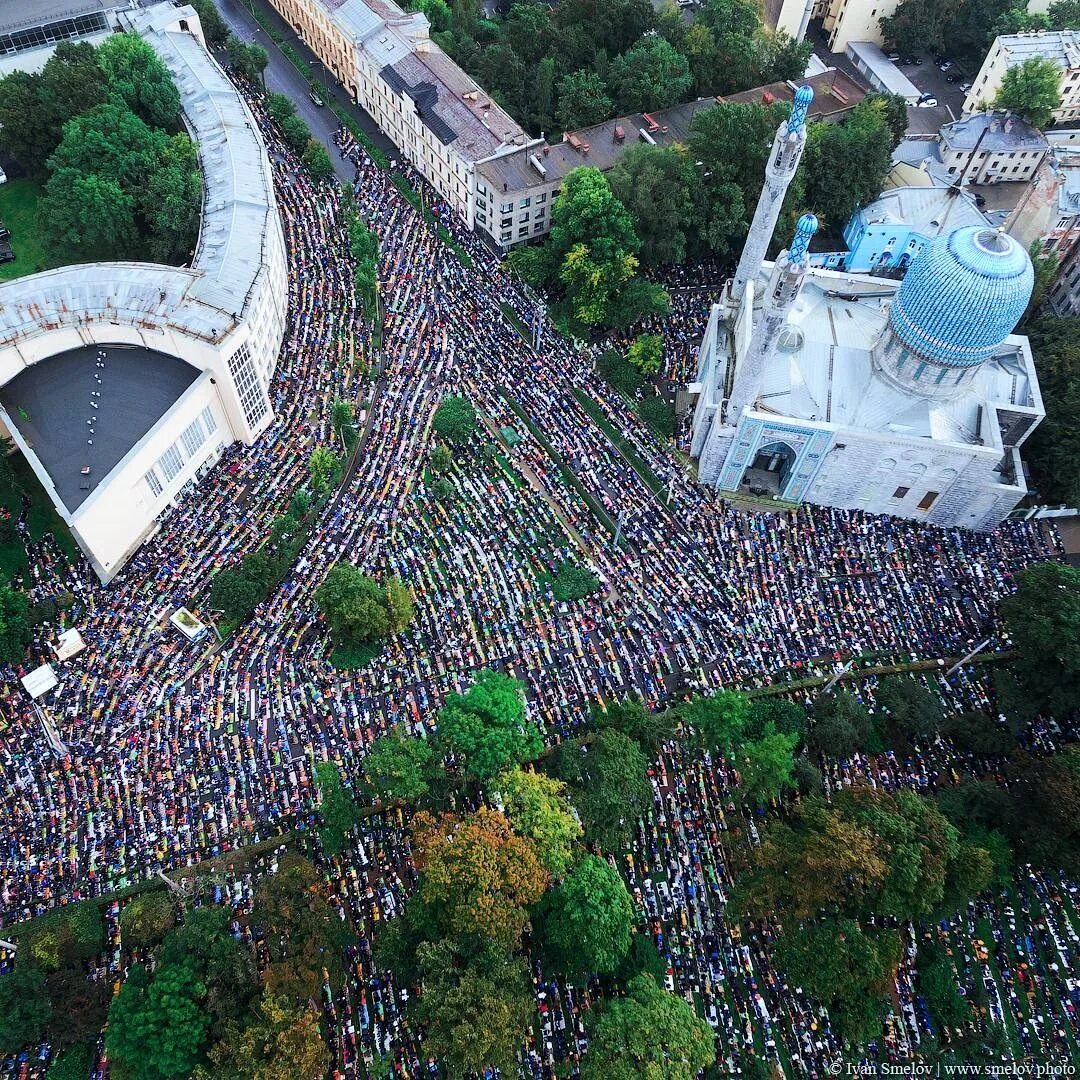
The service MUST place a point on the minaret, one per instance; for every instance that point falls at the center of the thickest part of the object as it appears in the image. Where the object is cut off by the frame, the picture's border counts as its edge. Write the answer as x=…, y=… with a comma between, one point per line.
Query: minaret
x=783, y=160
x=785, y=284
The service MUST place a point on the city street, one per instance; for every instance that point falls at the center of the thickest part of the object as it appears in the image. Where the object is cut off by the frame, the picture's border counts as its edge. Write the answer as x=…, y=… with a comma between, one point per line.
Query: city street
x=283, y=78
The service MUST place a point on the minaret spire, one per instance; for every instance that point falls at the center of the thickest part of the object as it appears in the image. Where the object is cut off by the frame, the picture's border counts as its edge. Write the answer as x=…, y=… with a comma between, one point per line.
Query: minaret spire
x=783, y=160
x=784, y=288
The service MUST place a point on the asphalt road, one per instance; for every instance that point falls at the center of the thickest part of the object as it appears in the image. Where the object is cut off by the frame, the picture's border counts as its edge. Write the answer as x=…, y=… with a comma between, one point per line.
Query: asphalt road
x=281, y=77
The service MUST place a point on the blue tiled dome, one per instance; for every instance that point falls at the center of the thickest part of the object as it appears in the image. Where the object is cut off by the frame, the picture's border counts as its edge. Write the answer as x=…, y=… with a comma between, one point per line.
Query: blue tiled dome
x=963, y=296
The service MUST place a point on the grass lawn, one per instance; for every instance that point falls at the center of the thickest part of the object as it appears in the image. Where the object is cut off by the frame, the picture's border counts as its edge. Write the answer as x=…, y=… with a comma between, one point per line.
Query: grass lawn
x=18, y=211
x=42, y=517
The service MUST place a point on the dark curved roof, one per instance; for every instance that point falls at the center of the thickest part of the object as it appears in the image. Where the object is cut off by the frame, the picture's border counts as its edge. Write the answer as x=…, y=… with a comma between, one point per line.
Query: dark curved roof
x=50, y=403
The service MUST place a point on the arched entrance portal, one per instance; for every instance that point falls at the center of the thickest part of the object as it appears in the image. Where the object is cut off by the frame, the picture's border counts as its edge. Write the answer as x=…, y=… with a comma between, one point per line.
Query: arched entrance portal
x=768, y=472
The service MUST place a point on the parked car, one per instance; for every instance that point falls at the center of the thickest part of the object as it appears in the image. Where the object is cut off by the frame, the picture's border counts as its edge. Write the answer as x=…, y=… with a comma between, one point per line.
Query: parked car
x=927, y=102
x=913, y=61
x=6, y=254
x=952, y=77
x=316, y=100
x=893, y=57
x=945, y=65
x=965, y=87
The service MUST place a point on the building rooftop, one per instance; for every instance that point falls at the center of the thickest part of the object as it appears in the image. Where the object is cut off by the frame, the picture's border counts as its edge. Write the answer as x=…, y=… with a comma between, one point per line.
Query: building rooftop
x=930, y=210
x=999, y=131
x=891, y=78
x=1062, y=47
x=603, y=144
x=208, y=299
x=49, y=403
x=22, y=14
x=822, y=369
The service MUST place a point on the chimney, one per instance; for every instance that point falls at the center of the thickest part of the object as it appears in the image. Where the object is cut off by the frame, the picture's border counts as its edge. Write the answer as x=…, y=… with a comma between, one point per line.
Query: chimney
x=1007, y=126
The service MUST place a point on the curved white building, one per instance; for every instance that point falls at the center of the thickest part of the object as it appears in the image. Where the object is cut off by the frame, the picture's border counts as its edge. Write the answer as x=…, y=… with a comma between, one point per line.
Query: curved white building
x=123, y=382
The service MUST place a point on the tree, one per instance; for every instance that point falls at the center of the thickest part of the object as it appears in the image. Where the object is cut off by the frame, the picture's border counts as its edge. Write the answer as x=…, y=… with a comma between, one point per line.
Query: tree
x=977, y=733
x=914, y=712
x=171, y=202
x=74, y=1063
x=659, y=187
x=842, y=725
x=223, y=965
x=844, y=967
x=1046, y=265
x=1065, y=14
x=247, y=58
x=636, y=721
x=157, y=1026
x=652, y=75
x=646, y=353
x=455, y=419
x=573, y=582
x=845, y=165
x=213, y=25
x=323, y=466
x=400, y=766
x=1047, y=794
x=1031, y=90
x=718, y=722
x=609, y=786
x=22, y=135
x=1055, y=447
x=486, y=727
x=303, y=933
x=337, y=808
x=15, y=635
x=317, y=161
x=476, y=1015
x=441, y=459
x=477, y=877
x=147, y=918
x=66, y=936
x=584, y=922
x=87, y=217
x=538, y=809
x=767, y=766
x=25, y=1008
x=648, y=1033
x=918, y=26
x=938, y=984
x=280, y=1042
x=140, y=79
x=359, y=609
x=279, y=106
x=583, y=100
x=783, y=715
x=234, y=593
x=295, y=133
x=1043, y=620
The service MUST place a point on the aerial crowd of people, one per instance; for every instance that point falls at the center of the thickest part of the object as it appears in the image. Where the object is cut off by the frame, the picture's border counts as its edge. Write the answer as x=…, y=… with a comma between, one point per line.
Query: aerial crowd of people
x=179, y=751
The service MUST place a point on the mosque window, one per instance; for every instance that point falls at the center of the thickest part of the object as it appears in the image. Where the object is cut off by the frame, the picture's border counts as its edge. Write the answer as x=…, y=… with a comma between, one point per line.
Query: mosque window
x=207, y=417
x=193, y=436
x=171, y=462
x=900, y=492
x=251, y=396
x=153, y=483
x=928, y=500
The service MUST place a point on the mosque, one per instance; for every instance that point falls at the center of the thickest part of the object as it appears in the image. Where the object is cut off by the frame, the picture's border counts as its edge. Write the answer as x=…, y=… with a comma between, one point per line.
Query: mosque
x=910, y=398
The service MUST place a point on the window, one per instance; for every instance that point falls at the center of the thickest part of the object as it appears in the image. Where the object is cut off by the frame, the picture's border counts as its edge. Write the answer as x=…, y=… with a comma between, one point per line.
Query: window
x=153, y=483
x=482, y=218
x=252, y=399
x=540, y=213
x=928, y=500
x=524, y=203
x=538, y=227
x=523, y=231
x=505, y=236
x=207, y=417
x=541, y=198
x=171, y=463
x=900, y=492
x=192, y=437
x=507, y=208
x=506, y=222
x=523, y=217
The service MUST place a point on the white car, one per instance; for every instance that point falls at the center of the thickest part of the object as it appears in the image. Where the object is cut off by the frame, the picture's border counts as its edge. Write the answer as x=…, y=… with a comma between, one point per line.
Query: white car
x=3, y=176
x=965, y=87
x=927, y=102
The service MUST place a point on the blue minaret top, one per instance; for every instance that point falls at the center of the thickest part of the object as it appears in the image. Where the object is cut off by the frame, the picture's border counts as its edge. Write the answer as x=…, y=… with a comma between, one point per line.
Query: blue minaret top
x=801, y=106
x=805, y=228
x=962, y=296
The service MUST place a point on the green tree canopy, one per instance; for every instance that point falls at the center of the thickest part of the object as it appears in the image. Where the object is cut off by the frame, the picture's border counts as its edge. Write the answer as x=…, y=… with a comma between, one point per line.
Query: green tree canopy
x=359, y=609
x=140, y=79
x=846, y=968
x=573, y=582
x=537, y=807
x=767, y=765
x=400, y=766
x=157, y=1025
x=317, y=161
x=918, y=26
x=15, y=635
x=1031, y=90
x=646, y=353
x=583, y=100
x=651, y=75
x=25, y=1008
x=248, y=58
x=585, y=921
x=636, y=721
x=842, y=725
x=914, y=712
x=486, y=727
x=1043, y=618
x=718, y=721
x=213, y=25
x=455, y=419
x=647, y=1033
x=337, y=808
x=609, y=786
x=147, y=918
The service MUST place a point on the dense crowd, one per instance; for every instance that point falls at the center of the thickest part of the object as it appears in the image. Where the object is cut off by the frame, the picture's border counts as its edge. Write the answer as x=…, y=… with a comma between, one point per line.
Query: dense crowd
x=179, y=751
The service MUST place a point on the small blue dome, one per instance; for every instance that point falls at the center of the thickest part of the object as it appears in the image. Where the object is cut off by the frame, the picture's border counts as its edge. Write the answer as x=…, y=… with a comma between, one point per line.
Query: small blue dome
x=962, y=297
x=805, y=228
x=799, y=108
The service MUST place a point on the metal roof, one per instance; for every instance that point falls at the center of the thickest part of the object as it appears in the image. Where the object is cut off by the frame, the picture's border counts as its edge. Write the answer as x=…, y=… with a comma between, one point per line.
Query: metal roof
x=23, y=14
x=930, y=210
x=1003, y=132
x=888, y=75
x=1061, y=47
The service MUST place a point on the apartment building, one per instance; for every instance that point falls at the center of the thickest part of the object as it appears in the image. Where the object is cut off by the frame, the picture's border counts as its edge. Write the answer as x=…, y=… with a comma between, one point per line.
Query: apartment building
x=440, y=119
x=853, y=20
x=514, y=191
x=1061, y=47
x=991, y=148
